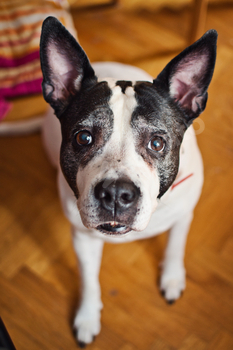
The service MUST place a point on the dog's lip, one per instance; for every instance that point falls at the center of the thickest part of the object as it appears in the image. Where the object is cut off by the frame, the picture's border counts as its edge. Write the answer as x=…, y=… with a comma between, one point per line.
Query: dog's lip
x=113, y=228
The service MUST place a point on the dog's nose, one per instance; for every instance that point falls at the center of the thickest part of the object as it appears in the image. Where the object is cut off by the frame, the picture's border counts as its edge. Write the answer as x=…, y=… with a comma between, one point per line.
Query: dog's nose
x=117, y=195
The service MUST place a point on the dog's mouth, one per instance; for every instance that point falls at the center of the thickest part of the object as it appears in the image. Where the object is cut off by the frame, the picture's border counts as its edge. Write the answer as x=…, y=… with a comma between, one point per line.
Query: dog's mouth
x=113, y=228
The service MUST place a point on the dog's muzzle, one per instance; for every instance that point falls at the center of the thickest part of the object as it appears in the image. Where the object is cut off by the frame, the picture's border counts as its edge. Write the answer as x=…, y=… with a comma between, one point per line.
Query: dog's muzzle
x=118, y=201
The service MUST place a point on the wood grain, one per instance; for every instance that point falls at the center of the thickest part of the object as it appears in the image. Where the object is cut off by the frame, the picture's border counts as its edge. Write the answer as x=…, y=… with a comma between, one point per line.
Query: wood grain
x=39, y=280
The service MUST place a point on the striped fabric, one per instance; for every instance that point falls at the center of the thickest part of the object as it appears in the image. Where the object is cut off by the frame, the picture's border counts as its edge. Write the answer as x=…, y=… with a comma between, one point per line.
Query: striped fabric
x=20, y=28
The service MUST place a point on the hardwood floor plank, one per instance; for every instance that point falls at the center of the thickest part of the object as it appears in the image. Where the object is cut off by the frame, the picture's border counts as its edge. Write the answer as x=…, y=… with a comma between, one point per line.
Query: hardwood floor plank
x=191, y=342
x=32, y=310
x=222, y=341
x=214, y=285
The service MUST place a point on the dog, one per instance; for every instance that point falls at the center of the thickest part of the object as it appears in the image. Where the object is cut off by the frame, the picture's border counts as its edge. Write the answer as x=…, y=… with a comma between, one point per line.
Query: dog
x=129, y=166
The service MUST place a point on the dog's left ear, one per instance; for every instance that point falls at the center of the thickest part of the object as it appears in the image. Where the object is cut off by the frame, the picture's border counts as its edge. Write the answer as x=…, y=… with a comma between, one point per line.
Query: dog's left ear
x=188, y=75
x=64, y=65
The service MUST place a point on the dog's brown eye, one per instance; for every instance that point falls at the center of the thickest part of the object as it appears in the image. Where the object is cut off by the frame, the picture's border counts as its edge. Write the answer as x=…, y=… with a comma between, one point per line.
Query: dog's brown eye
x=83, y=138
x=157, y=144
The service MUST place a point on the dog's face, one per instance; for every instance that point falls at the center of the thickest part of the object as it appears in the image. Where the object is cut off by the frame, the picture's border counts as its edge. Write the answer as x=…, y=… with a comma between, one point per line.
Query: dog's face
x=121, y=139
x=122, y=152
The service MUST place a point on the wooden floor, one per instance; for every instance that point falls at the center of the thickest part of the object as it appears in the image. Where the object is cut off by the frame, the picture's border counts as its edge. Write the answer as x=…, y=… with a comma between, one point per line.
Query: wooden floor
x=39, y=281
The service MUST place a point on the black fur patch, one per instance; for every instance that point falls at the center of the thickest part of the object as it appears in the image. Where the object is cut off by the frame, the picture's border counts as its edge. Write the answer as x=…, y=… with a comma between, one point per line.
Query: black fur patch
x=89, y=110
x=158, y=114
x=124, y=84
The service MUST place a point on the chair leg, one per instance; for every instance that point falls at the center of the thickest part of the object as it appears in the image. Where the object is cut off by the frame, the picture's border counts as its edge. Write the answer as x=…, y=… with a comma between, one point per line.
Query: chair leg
x=198, y=20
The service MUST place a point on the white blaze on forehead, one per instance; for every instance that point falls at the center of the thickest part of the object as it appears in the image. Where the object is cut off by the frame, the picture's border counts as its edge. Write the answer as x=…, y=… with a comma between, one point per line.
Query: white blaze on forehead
x=122, y=106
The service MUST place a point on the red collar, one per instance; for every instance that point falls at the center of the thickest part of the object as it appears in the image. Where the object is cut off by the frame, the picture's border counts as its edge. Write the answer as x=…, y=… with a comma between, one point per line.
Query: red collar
x=179, y=182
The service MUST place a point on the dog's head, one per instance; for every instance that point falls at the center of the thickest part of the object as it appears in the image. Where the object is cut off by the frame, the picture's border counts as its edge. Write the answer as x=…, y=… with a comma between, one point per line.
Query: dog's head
x=121, y=139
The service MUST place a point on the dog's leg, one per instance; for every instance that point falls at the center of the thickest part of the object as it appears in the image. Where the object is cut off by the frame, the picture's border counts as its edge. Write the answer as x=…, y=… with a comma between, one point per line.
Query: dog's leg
x=89, y=253
x=173, y=272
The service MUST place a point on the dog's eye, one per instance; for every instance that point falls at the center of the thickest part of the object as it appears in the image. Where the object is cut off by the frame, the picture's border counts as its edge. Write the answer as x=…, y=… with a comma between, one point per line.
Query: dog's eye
x=157, y=144
x=83, y=138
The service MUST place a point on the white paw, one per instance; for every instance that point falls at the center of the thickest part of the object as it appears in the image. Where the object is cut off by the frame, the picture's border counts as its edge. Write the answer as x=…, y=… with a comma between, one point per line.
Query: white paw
x=87, y=325
x=172, y=282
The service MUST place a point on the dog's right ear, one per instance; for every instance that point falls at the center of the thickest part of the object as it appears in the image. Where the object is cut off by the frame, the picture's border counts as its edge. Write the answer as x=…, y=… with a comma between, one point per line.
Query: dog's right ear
x=64, y=65
x=187, y=76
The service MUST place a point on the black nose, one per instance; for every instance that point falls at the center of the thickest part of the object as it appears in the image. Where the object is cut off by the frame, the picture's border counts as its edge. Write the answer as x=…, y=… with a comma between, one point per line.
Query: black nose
x=117, y=195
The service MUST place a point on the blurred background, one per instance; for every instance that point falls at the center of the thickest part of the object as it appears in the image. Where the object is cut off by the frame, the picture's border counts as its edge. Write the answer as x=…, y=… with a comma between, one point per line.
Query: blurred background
x=39, y=279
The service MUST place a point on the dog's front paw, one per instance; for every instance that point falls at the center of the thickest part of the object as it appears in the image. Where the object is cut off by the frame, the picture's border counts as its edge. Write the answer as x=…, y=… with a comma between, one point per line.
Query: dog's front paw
x=86, y=325
x=172, y=282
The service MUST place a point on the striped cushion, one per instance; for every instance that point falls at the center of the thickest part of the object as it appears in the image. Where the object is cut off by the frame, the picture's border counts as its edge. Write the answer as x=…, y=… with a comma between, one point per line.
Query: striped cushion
x=20, y=28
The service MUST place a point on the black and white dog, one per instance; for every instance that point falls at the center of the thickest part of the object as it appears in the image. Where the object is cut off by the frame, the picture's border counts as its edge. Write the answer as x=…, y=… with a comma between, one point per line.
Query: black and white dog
x=128, y=156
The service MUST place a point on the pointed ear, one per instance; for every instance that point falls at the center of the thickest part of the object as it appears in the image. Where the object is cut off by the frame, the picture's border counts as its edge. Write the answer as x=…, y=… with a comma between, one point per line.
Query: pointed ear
x=64, y=65
x=188, y=75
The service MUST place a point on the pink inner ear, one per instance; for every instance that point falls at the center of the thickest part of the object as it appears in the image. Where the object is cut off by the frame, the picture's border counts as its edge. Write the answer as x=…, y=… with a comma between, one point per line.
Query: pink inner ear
x=63, y=72
x=185, y=83
x=186, y=95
